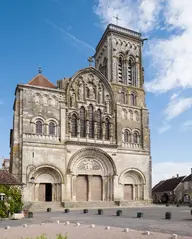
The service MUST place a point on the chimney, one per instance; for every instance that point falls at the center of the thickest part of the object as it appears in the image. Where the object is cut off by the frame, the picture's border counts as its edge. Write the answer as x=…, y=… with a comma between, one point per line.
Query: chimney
x=191, y=174
x=177, y=176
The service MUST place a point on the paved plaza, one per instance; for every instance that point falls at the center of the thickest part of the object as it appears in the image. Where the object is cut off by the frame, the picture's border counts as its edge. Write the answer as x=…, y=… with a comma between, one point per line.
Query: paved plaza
x=153, y=220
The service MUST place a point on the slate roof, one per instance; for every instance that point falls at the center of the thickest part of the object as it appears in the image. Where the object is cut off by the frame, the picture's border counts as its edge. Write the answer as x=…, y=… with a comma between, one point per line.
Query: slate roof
x=40, y=80
x=7, y=178
x=168, y=185
x=188, y=178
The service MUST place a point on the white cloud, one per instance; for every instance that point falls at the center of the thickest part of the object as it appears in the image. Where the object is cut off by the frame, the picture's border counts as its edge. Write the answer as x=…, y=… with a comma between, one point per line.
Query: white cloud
x=172, y=56
x=164, y=128
x=140, y=15
x=177, y=106
x=167, y=170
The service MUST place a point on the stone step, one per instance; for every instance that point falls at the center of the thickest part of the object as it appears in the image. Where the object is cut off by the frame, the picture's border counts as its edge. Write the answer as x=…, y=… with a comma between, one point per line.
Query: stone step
x=42, y=206
x=90, y=204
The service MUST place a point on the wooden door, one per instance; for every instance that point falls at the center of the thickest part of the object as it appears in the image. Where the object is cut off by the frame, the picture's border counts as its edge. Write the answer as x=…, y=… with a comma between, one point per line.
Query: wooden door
x=81, y=188
x=96, y=188
x=128, y=192
x=42, y=192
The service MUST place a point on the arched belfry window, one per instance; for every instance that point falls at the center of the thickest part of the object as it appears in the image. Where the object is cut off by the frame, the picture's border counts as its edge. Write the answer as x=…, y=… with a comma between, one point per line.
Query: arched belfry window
x=39, y=126
x=120, y=69
x=105, y=67
x=52, y=128
x=82, y=122
x=107, y=129
x=74, y=126
x=91, y=121
x=127, y=136
x=132, y=72
x=133, y=99
x=99, y=124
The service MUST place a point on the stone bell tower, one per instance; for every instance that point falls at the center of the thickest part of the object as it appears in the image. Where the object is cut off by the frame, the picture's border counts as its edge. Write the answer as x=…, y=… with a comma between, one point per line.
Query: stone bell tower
x=118, y=56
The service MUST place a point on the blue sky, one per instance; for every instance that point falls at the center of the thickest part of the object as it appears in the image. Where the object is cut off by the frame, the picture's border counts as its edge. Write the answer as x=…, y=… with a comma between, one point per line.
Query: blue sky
x=60, y=35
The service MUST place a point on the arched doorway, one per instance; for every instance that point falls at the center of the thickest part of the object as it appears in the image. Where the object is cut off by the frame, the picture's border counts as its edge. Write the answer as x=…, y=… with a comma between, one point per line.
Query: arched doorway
x=92, y=172
x=47, y=184
x=133, y=182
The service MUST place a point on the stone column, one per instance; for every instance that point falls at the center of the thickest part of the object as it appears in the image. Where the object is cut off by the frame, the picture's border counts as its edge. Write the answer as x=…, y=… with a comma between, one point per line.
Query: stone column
x=89, y=187
x=63, y=124
x=133, y=192
x=137, y=67
x=36, y=192
x=103, y=188
x=53, y=192
x=73, y=187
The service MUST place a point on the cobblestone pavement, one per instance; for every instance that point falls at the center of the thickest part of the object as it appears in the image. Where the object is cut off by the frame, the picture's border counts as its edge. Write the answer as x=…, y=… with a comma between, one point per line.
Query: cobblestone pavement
x=153, y=219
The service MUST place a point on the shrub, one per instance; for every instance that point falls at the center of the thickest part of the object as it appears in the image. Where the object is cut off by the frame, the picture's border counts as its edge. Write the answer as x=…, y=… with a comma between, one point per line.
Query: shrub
x=12, y=202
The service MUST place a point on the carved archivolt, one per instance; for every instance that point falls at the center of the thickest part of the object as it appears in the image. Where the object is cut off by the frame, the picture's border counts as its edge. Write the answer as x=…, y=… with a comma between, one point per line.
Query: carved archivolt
x=132, y=176
x=89, y=86
x=90, y=161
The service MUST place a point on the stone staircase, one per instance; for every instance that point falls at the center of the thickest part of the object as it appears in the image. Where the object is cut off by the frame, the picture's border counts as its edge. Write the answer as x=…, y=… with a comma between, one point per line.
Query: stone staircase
x=42, y=206
x=90, y=204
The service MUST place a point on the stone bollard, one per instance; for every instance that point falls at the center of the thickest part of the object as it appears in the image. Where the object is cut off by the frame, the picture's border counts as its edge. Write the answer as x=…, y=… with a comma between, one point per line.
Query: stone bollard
x=92, y=226
x=85, y=211
x=147, y=233
x=174, y=236
x=77, y=224
x=67, y=210
x=139, y=214
x=57, y=222
x=126, y=229
x=42, y=223
x=67, y=223
x=168, y=215
x=107, y=228
x=100, y=211
x=49, y=209
x=24, y=225
x=30, y=214
x=7, y=227
x=119, y=213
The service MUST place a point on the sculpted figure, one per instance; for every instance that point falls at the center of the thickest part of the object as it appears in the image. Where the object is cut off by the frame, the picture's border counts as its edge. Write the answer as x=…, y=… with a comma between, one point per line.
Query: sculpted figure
x=81, y=91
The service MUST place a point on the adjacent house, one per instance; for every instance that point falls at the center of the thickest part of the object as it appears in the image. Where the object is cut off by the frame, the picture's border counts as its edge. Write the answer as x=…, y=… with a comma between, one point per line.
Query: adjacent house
x=173, y=190
x=167, y=190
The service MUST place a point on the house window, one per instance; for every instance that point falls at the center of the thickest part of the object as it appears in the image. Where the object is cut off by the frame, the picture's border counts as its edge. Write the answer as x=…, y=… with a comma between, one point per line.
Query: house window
x=2, y=196
x=82, y=122
x=91, y=122
x=107, y=129
x=52, y=128
x=74, y=125
x=39, y=127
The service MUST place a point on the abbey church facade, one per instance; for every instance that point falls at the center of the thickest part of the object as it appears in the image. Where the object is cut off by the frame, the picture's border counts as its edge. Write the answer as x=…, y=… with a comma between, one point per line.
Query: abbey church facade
x=86, y=139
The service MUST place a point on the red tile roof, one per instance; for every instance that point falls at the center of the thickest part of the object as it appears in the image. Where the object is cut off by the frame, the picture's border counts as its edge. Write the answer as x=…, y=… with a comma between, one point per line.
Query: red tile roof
x=7, y=178
x=42, y=81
